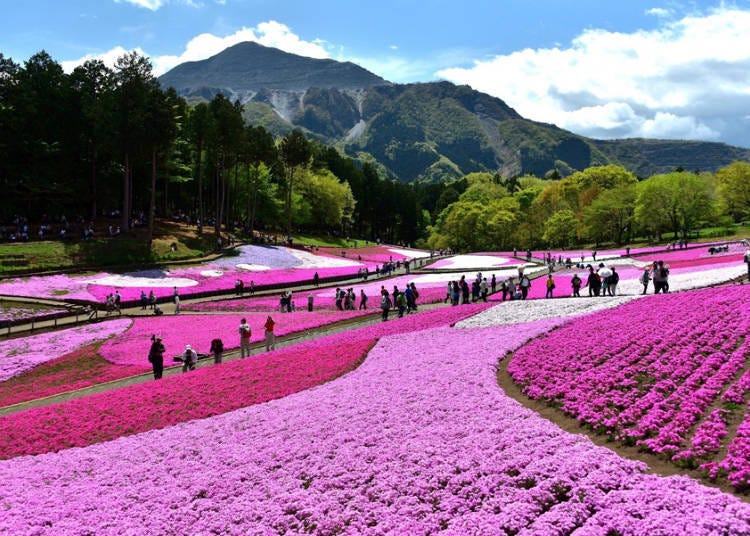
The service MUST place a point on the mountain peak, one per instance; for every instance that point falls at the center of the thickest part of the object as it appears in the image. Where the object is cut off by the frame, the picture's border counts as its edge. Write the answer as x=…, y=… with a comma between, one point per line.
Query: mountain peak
x=249, y=67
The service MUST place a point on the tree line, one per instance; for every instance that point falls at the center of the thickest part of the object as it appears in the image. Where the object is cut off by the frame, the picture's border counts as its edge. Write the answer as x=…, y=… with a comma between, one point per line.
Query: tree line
x=112, y=141
x=601, y=204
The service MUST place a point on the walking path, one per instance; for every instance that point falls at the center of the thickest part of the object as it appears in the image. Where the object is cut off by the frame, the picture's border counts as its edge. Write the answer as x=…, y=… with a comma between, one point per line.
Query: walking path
x=172, y=369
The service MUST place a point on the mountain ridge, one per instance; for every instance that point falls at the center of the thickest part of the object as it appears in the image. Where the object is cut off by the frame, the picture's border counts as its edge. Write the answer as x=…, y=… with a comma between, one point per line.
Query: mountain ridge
x=434, y=131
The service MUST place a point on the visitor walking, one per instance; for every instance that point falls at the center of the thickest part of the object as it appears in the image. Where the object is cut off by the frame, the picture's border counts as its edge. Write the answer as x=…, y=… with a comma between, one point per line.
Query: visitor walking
x=152, y=299
x=614, y=279
x=385, y=305
x=362, y=300
x=156, y=356
x=644, y=279
x=576, y=284
x=310, y=301
x=176, y=305
x=245, y=332
x=525, y=284
x=270, y=336
x=550, y=287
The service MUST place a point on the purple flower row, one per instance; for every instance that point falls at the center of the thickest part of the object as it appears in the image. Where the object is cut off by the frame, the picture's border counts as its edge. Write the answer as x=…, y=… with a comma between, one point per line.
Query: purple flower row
x=646, y=372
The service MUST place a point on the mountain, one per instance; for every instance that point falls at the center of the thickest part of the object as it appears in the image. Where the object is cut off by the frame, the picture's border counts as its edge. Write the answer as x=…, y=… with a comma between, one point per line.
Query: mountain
x=417, y=132
x=247, y=68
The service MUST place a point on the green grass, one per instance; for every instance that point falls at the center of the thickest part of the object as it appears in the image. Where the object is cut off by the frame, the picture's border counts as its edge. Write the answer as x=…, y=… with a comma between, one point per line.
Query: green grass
x=124, y=250
x=330, y=241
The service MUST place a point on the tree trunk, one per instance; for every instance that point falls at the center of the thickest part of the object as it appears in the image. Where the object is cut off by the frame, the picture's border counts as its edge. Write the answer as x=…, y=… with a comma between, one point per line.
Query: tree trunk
x=152, y=203
x=93, y=183
x=289, y=204
x=125, y=195
x=200, y=188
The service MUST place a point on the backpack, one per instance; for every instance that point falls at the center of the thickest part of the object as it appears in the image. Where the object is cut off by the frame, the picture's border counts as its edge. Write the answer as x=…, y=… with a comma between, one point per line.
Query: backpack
x=664, y=272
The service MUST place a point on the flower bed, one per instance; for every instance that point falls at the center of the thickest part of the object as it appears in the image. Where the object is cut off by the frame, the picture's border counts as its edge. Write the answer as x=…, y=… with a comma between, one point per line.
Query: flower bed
x=377, y=254
x=417, y=440
x=20, y=355
x=74, y=370
x=324, y=298
x=131, y=348
x=17, y=311
x=202, y=393
x=649, y=372
x=485, y=261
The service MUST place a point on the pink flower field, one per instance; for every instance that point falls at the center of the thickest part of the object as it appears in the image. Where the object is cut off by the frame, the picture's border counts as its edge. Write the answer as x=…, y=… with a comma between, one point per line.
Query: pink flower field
x=73, y=370
x=651, y=373
x=396, y=427
x=417, y=440
x=20, y=355
x=131, y=348
x=233, y=385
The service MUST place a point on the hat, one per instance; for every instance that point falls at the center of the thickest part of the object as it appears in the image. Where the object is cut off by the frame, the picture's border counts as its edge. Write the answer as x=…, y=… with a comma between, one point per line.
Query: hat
x=187, y=347
x=158, y=337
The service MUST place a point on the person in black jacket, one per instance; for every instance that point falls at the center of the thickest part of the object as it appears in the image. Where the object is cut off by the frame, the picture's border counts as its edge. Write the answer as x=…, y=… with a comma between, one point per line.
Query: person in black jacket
x=156, y=356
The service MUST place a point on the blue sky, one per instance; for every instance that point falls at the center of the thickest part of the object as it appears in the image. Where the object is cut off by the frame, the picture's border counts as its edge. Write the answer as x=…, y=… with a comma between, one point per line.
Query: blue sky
x=605, y=69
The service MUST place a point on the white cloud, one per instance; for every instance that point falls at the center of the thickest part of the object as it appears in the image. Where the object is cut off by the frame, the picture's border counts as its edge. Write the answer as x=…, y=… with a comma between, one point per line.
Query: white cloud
x=270, y=33
x=690, y=78
x=152, y=5
x=659, y=12
x=109, y=57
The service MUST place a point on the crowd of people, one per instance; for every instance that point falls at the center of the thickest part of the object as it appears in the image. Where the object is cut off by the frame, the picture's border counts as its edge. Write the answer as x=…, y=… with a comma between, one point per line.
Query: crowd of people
x=600, y=280
x=189, y=356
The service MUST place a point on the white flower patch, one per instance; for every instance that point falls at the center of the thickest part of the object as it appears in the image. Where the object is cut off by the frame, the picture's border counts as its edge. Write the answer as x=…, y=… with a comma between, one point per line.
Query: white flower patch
x=515, y=312
x=500, y=275
x=134, y=281
x=318, y=261
x=686, y=281
x=410, y=253
x=212, y=273
x=460, y=262
x=253, y=267
x=588, y=259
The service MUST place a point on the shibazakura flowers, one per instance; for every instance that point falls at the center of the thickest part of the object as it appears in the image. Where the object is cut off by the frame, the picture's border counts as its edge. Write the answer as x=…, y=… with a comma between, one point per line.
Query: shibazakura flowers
x=131, y=348
x=649, y=372
x=417, y=440
x=20, y=355
x=233, y=385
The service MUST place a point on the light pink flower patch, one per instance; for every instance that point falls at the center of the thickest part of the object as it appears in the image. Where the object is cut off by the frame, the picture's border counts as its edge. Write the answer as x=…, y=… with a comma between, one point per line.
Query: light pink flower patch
x=20, y=355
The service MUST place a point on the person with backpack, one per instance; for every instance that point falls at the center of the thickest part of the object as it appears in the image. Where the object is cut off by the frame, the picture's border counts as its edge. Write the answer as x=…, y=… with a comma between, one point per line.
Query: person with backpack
x=385, y=305
x=156, y=356
x=217, y=349
x=401, y=304
x=245, y=333
x=576, y=284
